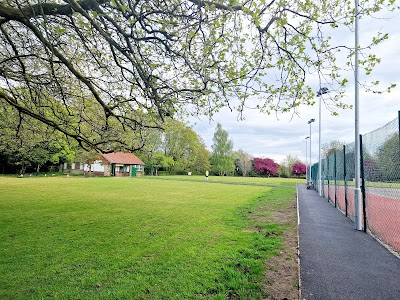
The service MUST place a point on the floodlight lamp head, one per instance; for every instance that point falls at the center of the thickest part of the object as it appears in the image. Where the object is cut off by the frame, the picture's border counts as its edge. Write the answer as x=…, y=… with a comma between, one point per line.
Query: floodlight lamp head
x=312, y=120
x=307, y=137
x=322, y=91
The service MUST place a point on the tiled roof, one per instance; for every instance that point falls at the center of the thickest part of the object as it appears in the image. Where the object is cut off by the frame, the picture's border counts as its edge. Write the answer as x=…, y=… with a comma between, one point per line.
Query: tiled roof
x=122, y=158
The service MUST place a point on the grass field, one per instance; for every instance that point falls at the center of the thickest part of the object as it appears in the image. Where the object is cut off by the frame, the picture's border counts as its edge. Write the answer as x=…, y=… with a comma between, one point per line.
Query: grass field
x=273, y=181
x=138, y=238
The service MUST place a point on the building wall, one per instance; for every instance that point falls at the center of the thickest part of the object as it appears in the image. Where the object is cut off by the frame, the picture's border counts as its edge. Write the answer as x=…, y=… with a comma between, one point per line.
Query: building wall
x=107, y=170
x=97, y=166
x=102, y=167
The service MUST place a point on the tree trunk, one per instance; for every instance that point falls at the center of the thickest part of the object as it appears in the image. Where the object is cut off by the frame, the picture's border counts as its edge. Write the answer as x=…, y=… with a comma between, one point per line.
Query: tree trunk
x=38, y=168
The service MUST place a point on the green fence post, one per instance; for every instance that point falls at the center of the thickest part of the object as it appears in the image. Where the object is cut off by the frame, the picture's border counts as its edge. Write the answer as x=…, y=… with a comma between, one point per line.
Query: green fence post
x=334, y=174
x=363, y=183
x=344, y=178
x=323, y=177
x=327, y=173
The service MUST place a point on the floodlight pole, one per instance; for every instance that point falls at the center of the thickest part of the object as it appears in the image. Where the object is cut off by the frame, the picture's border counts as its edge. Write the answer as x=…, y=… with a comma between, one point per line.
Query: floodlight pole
x=319, y=94
x=357, y=190
x=306, y=159
x=309, y=176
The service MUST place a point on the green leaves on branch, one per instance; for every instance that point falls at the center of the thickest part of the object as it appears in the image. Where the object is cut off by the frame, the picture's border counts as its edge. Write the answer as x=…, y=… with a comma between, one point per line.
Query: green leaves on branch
x=104, y=72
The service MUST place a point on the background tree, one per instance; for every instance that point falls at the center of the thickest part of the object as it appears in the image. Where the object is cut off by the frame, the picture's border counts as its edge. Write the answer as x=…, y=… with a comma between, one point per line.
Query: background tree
x=87, y=157
x=182, y=144
x=152, y=147
x=177, y=142
x=243, y=161
x=202, y=163
x=162, y=161
x=328, y=149
x=299, y=169
x=265, y=166
x=221, y=159
x=388, y=158
x=134, y=64
x=285, y=168
x=40, y=155
x=25, y=142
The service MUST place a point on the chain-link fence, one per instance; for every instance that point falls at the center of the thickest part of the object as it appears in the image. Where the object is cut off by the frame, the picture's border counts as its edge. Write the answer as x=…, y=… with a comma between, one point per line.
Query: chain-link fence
x=380, y=181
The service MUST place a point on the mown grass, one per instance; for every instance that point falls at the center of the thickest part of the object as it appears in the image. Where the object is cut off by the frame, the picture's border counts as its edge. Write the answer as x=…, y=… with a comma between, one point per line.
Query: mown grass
x=271, y=181
x=130, y=238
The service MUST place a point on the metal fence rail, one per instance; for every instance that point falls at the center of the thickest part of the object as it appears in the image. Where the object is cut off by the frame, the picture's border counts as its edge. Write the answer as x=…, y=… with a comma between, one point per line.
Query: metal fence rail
x=380, y=177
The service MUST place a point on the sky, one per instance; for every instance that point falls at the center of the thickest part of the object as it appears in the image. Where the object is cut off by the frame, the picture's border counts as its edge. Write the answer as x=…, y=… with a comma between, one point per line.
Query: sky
x=275, y=137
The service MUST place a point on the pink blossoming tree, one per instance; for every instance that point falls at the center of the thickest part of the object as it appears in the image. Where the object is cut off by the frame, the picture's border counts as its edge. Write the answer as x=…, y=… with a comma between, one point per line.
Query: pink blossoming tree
x=265, y=166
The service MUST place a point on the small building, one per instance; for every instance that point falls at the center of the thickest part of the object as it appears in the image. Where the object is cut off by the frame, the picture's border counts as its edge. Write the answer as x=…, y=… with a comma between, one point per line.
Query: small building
x=118, y=164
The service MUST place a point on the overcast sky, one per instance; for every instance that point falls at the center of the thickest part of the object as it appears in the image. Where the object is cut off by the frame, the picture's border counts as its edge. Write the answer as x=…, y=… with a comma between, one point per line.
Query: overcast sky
x=263, y=135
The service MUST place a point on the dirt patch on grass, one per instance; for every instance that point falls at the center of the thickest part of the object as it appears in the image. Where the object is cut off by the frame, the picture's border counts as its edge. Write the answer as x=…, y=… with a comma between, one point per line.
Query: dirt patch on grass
x=282, y=271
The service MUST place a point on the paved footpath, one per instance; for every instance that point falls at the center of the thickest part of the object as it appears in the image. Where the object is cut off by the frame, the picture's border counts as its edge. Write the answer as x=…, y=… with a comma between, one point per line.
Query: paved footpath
x=337, y=261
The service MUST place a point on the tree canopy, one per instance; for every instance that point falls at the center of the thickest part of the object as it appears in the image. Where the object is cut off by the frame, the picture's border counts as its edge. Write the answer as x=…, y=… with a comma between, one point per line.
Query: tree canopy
x=95, y=68
x=299, y=168
x=265, y=166
x=177, y=149
x=26, y=142
x=222, y=152
x=286, y=166
x=242, y=162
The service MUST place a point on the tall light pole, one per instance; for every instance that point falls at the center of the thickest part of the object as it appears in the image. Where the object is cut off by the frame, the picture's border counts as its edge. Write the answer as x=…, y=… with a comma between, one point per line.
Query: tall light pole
x=306, y=160
x=321, y=91
x=309, y=176
x=357, y=190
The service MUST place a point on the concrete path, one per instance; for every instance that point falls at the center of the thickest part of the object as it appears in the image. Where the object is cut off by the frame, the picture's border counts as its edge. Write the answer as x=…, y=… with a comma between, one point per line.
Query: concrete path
x=337, y=261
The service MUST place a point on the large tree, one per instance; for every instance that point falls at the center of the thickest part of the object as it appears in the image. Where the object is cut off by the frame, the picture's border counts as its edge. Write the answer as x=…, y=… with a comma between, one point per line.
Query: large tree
x=182, y=144
x=133, y=64
x=222, y=149
x=265, y=166
x=285, y=168
x=26, y=142
x=330, y=148
x=177, y=143
x=243, y=162
x=298, y=168
x=202, y=163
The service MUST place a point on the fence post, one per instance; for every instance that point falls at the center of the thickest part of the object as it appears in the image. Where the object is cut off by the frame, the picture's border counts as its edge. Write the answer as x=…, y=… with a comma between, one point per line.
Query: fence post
x=344, y=178
x=327, y=175
x=323, y=177
x=334, y=174
x=363, y=184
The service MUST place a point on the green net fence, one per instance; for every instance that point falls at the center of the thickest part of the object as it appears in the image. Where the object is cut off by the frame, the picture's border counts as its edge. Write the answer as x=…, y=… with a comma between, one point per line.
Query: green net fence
x=380, y=177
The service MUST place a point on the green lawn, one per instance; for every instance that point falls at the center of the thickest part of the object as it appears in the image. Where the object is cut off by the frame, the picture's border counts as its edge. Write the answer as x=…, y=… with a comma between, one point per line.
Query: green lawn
x=136, y=238
x=272, y=181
